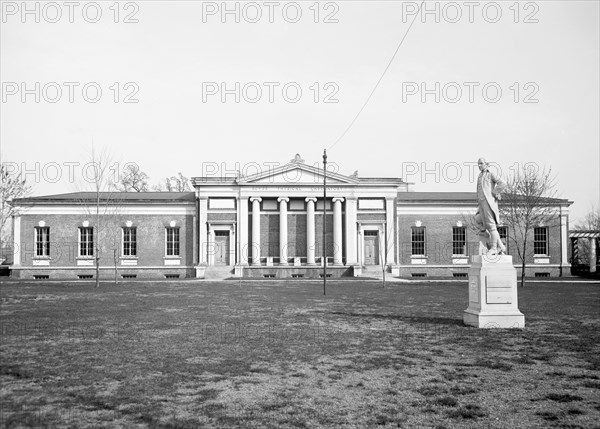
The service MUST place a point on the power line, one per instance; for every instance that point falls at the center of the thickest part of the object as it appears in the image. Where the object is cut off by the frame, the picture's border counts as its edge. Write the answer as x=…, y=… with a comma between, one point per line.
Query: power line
x=380, y=78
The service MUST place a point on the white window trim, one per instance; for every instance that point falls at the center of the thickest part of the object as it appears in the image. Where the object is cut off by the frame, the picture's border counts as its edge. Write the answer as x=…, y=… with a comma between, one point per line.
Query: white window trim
x=36, y=256
x=166, y=237
x=79, y=255
x=123, y=255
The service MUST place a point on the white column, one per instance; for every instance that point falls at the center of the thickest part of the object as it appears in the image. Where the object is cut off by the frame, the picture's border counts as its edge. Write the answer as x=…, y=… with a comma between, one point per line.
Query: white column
x=211, y=247
x=361, y=246
x=337, y=230
x=310, y=230
x=242, y=232
x=16, y=240
x=203, y=231
x=592, y=242
x=388, y=238
x=564, y=239
x=283, y=236
x=232, y=240
x=351, y=237
x=255, y=245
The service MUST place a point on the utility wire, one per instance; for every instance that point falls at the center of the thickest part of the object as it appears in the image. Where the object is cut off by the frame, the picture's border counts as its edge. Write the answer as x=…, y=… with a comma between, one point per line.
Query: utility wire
x=380, y=78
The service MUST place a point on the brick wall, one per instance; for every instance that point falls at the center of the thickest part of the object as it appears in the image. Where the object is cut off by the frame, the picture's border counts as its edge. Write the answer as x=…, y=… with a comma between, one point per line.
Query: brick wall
x=438, y=242
x=64, y=236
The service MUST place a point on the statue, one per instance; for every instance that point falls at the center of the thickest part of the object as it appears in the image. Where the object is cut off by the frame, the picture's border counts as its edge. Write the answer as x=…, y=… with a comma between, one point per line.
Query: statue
x=487, y=218
x=297, y=159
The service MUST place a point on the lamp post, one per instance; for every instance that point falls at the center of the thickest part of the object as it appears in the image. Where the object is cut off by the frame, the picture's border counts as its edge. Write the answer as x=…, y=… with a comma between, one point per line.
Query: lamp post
x=324, y=220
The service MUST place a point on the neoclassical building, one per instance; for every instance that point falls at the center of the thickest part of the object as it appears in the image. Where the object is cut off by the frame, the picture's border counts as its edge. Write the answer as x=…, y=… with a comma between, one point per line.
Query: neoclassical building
x=270, y=224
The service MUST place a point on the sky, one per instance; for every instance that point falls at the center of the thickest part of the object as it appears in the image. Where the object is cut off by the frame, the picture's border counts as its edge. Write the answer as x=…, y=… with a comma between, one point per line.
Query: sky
x=208, y=88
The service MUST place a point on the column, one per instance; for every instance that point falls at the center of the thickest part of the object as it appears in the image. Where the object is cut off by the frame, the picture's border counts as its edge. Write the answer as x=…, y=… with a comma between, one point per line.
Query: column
x=592, y=242
x=283, y=236
x=310, y=230
x=242, y=232
x=337, y=230
x=16, y=240
x=361, y=246
x=211, y=247
x=564, y=240
x=255, y=230
x=203, y=231
x=388, y=238
x=351, y=238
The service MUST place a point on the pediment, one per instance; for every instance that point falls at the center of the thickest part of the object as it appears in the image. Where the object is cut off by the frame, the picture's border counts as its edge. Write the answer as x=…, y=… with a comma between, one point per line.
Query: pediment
x=298, y=174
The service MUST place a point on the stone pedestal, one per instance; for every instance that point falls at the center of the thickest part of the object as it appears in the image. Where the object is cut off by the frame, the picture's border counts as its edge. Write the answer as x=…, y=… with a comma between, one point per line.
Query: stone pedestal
x=493, y=293
x=200, y=271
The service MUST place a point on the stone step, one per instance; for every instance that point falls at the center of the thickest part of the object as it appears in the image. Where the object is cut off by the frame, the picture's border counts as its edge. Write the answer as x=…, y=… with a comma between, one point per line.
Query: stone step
x=218, y=272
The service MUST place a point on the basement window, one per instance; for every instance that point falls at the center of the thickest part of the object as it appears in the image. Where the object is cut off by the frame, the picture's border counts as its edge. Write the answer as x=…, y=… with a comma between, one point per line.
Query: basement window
x=321, y=275
x=171, y=276
x=41, y=276
x=297, y=276
x=269, y=276
x=542, y=274
x=85, y=276
x=129, y=276
x=419, y=274
x=460, y=275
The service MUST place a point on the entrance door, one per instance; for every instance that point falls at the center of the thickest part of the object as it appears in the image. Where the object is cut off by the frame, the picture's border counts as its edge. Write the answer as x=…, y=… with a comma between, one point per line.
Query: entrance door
x=221, y=247
x=371, y=247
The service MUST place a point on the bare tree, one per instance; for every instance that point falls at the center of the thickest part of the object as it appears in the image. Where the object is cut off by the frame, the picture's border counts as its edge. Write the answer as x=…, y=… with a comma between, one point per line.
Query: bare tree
x=11, y=186
x=133, y=179
x=178, y=183
x=102, y=203
x=526, y=204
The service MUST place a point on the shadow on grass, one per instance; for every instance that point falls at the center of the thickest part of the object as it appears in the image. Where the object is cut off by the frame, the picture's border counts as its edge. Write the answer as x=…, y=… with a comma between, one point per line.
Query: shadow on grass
x=447, y=321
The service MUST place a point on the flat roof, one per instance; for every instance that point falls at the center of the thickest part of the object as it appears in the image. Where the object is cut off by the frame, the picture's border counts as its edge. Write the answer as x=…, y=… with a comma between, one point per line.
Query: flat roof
x=77, y=197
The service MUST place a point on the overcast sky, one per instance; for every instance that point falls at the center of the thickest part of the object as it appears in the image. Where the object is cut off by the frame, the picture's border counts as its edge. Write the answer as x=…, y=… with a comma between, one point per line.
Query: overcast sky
x=175, y=58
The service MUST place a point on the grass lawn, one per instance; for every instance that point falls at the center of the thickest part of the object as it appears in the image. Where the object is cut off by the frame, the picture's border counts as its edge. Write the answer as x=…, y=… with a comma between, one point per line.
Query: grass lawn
x=280, y=354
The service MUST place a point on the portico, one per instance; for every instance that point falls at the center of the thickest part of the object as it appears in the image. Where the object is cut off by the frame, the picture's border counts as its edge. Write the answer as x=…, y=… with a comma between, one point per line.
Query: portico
x=275, y=220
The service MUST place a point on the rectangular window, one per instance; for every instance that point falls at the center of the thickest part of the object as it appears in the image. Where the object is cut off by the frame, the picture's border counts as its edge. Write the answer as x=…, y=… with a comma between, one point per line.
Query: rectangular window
x=540, y=241
x=503, y=232
x=86, y=241
x=129, y=241
x=172, y=241
x=459, y=240
x=42, y=241
x=418, y=240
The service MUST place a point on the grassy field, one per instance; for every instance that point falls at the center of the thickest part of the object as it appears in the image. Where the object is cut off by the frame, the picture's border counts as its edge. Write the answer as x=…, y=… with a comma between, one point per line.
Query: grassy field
x=280, y=354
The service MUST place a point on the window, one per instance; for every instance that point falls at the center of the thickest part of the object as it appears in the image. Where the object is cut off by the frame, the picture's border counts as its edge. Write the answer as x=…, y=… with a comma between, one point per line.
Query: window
x=42, y=241
x=540, y=241
x=503, y=232
x=459, y=240
x=86, y=241
x=129, y=241
x=172, y=241
x=418, y=240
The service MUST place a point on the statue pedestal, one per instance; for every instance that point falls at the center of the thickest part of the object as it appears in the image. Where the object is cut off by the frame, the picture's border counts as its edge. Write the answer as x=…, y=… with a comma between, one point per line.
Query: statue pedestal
x=493, y=293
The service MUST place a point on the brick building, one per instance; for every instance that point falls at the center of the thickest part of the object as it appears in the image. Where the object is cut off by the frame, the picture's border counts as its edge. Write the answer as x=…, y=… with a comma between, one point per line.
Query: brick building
x=265, y=225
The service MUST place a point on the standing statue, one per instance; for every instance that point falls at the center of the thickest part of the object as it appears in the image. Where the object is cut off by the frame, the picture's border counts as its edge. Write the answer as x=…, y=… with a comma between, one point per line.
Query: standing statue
x=487, y=218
